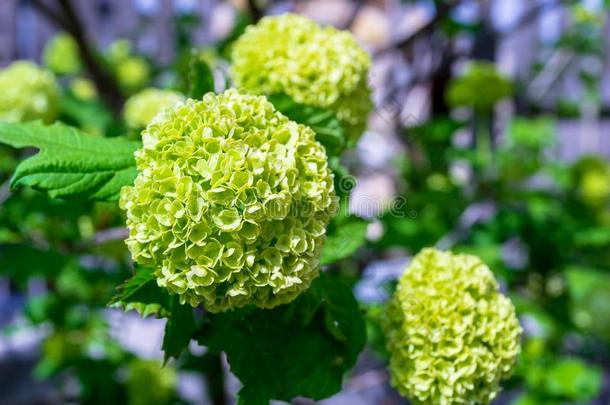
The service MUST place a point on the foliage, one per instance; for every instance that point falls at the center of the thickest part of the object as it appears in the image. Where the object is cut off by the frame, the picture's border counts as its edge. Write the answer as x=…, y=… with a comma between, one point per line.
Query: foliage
x=71, y=164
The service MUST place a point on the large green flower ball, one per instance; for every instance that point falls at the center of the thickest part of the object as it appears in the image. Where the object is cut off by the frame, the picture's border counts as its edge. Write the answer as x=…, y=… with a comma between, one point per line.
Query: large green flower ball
x=317, y=66
x=451, y=335
x=27, y=93
x=231, y=202
x=141, y=108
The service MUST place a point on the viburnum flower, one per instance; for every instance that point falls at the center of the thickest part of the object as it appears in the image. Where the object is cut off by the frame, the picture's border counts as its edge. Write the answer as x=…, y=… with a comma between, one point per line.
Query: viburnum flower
x=61, y=55
x=231, y=202
x=141, y=108
x=481, y=87
x=592, y=177
x=451, y=335
x=28, y=92
x=316, y=66
x=83, y=89
x=148, y=382
x=133, y=73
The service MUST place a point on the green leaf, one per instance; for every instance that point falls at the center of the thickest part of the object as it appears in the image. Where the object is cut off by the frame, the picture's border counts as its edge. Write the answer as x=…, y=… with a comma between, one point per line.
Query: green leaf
x=199, y=77
x=20, y=262
x=345, y=236
x=300, y=349
x=142, y=294
x=326, y=125
x=178, y=330
x=71, y=164
x=574, y=379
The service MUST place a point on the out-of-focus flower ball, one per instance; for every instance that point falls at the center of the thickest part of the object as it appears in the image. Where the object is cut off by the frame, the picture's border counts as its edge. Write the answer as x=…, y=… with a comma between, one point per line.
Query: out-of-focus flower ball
x=133, y=73
x=481, y=87
x=28, y=92
x=141, y=108
x=61, y=55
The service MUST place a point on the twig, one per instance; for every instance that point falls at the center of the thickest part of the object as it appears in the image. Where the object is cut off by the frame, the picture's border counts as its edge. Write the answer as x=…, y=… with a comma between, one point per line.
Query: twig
x=443, y=11
x=256, y=13
x=354, y=14
x=216, y=381
x=529, y=18
x=65, y=18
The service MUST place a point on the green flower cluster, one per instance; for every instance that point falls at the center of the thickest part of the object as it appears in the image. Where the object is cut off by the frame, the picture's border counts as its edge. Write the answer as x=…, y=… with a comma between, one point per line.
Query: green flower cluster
x=27, y=93
x=231, y=202
x=592, y=177
x=451, y=335
x=141, y=108
x=150, y=383
x=131, y=71
x=481, y=87
x=61, y=55
x=316, y=66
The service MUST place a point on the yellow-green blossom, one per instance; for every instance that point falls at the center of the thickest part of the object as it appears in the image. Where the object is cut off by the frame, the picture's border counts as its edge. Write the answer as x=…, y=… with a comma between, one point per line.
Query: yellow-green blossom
x=451, y=335
x=61, y=55
x=592, y=177
x=133, y=73
x=28, y=92
x=150, y=383
x=83, y=89
x=317, y=66
x=141, y=108
x=481, y=87
x=231, y=202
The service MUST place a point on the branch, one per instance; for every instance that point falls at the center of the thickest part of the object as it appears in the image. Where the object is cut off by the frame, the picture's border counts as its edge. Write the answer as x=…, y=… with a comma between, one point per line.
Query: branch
x=353, y=15
x=256, y=13
x=530, y=17
x=67, y=20
x=442, y=12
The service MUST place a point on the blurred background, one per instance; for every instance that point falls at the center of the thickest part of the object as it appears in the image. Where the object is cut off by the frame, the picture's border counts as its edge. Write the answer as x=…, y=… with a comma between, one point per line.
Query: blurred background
x=490, y=135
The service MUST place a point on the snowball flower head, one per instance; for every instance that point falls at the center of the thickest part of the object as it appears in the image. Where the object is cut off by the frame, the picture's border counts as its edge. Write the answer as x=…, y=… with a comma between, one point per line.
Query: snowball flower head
x=451, y=335
x=28, y=93
x=231, y=202
x=133, y=73
x=141, y=108
x=316, y=66
x=481, y=87
x=61, y=55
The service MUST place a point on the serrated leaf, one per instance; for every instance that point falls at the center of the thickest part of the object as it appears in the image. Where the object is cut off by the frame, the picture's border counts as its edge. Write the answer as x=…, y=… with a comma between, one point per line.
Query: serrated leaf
x=142, y=294
x=300, y=349
x=178, y=330
x=326, y=125
x=71, y=164
x=344, y=238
